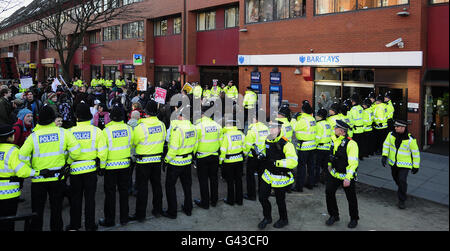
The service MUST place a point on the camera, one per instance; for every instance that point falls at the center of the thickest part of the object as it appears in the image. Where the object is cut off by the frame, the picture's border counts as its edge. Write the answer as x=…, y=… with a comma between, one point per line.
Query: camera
x=398, y=42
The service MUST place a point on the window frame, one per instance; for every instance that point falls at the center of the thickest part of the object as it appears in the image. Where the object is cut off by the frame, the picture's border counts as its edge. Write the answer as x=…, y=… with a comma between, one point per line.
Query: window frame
x=237, y=17
x=357, y=10
x=110, y=29
x=206, y=26
x=139, y=30
x=157, y=31
x=274, y=12
x=180, y=28
x=430, y=2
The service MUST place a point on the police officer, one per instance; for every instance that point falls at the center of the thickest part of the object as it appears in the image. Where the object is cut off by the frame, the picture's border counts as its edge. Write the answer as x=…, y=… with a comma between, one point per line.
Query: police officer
x=149, y=138
x=119, y=137
x=305, y=132
x=254, y=145
x=11, y=168
x=380, y=123
x=356, y=117
x=284, y=115
x=231, y=159
x=323, y=142
x=401, y=152
x=342, y=172
x=280, y=158
x=209, y=137
x=182, y=144
x=367, y=144
x=333, y=114
x=389, y=110
x=231, y=91
x=120, y=82
x=46, y=148
x=198, y=91
x=249, y=102
x=83, y=179
x=344, y=115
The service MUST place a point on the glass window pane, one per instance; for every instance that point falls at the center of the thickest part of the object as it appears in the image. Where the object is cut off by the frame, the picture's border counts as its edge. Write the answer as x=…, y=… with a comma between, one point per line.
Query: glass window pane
x=345, y=5
x=252, y=9
x=297, y=8
x=177, y=25
x=266, y=13
x=366, y=4
x=357, y=74
x=439, y=1
x=362, y=90
x=394, y=2
x=201, y=21
x=326, y=95
x=163, y=27
x=282, y=9
x=231, y=16
x=328, y=74
x=211, y=20
x=325, y=6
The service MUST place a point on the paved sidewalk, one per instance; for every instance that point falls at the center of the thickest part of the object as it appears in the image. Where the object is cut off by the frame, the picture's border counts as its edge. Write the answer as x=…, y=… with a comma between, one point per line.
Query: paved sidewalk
x=431, y=182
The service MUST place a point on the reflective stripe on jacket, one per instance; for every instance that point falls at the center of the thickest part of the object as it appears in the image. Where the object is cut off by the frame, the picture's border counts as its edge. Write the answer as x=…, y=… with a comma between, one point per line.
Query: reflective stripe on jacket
x=406, y=156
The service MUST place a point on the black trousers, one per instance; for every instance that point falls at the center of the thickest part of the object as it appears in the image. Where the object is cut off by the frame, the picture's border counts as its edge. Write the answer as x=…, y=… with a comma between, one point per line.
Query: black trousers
x=116, y=178
x=306, y=162
x=321, y=165
x=330, y=191
x=280, y=196
x=83, y=185
x=144, y=173
x=371, y=142
x=253, y=165
x=400, y=176
x=55, y=191
x=233, y=176
x=173, y=173
x=8, y=207
x=207, y=169
x=380, y=136
x=359, y=138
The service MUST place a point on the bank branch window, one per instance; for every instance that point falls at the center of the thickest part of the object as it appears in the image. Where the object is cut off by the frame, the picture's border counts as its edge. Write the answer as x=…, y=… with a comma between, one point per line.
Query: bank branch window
x=268, y=10
x=335, y=6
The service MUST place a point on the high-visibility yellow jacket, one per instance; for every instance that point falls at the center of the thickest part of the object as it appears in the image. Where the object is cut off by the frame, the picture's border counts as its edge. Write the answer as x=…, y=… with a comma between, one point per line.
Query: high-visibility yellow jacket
x=323, y=135
x=232, y=92
x=94, y=82
x=332, y=121
x=390, y=110
x=347, y=158
x=148, y=139
x=406, y=156
x=93, y=146
x=47, y=148
x=209, y=137
x=182, y=143
x=284, y=159
x=347, y=120
x=250, y=99
x=198, y=91
x=305, y=132
x=356, y=117
x=287, y=129
x=215, y=91
x=119, y=137
x=368, y=119
x=207, y=93
x=119, y=83
x=11, y=166
x=256, y=135
x=380, y=116
x=232, y=145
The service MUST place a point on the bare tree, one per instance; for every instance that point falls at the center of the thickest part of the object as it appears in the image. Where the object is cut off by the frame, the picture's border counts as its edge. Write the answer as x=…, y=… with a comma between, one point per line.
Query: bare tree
x=64, y=23
x=6, y=5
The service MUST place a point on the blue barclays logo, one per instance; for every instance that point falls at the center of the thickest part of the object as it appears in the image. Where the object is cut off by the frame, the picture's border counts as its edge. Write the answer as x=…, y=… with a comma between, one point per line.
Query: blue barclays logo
x=241, y=59
x=120, y=134
x=82, y=135
x=320, y=59
x=155, y=129
x=236, y=138
x=48, y=138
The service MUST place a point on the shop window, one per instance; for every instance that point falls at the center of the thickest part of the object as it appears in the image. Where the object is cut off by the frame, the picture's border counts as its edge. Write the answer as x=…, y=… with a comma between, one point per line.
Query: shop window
x=362, y=90
x=232, y=17
x=268, y=10
x=160, y=28
x=177, y=25
x=110, y=72
x=206, y=21
x=166, y=74
x=391, y=76
x=95, y=70
x=358, y=74
x=326, y=94
x=328, y=74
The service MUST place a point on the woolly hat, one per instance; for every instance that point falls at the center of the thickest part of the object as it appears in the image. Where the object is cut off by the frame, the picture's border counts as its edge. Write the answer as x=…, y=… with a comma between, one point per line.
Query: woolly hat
x=152, y=108
x=116, y=114
x=22, y=113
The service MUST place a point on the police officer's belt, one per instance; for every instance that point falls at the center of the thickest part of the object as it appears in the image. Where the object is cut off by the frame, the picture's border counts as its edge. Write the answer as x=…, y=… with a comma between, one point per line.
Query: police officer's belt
x=148, y=156
x=11, y=179
x=228, y=156
x=183, y=156
x=200, y=154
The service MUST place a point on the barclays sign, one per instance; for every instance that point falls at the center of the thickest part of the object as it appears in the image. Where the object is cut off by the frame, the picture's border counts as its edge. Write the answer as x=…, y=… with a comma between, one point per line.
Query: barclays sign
x=319, y=59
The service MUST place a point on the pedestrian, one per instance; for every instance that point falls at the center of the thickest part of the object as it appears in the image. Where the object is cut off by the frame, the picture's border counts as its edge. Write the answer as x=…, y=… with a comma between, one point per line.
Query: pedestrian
x=280, y=158
x=102, y=117
x=232, y=161
x=342, y=172
x=119, y=137
x=181, y=146
x=6, y=108
x=11, y=168
x=305, y=132
x=209, y=137
x=255, y=143
x=83, y=170
x=47, y=148
x=149, y=138
x=401, y=152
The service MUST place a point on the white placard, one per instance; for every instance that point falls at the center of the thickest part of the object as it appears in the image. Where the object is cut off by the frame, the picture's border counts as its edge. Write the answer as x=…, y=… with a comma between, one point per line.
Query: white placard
x=26, y=83
x=55, y=84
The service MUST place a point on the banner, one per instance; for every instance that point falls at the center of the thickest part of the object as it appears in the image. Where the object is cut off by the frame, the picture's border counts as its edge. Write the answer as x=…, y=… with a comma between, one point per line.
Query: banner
x=142, y=84
x=160, y=95
x=187, y=87
x=26, y=82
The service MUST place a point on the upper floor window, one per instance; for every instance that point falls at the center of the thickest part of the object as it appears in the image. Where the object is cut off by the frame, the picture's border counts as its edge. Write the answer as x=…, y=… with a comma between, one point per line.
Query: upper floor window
x=334, y=6
x=125, y=2
x=268, y=10
x=133, y=30
x=94, y=37
x=160, y=28
x=111, y=33
x=24, y=47
x=438, y=1
x=206, y=21
x=177, y=25
x=232, y=17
